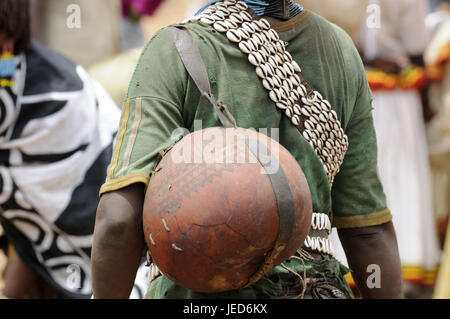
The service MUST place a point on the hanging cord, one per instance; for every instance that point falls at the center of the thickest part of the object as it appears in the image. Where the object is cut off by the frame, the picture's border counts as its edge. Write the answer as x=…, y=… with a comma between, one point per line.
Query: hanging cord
x=302, y=279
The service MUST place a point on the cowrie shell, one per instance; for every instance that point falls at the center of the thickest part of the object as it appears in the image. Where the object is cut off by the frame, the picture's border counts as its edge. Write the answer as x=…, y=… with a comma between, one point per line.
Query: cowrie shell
x=327, y=105
x=272, y=49
x=287, y=56
x=284, y=93
x=279, y=60
x=333, y=114
x=233, y=9
x=314, y=119
x=281, y=46
x=253, y=59
x=263, y=54
x=288, y=68
x=281, y=73
x=273, y=96
x=261, y=72
x=297, y=109
x=236, y=18
x=323, y=118
x=229, y=2
x=246, y=16
x=273, y=62
x=306, y=135
x=217, y=16
x=223, y=12
x=294, y=94
x=208, y=20
x=248, y=27
x=288, y=84
x=319, y=128
x=302, y=88
x=268, y=69
x=264, y=24
x=294, y=80
x=324, y=107
x=268, y=83
x=282, y=105
x=289, y=112
x=309, y=125
x=319, y=144
x=256, y=26
x=297, y=78
x=315, y=109
x=318, y=95
x=295, y=120
x=243, y=33
x=305, y=112
x=264, y=51
x=221, y=26
x=276, y=81
x=256, y=39
x=252, y=45
x=233, y=36
x=296, y=67
x=231, y=24
x=244, y=47
x=273, y=35
x=241, y=5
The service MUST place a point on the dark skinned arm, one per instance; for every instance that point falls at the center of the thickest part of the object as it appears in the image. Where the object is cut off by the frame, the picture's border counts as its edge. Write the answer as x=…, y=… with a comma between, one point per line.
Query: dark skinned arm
x=118, y=242
x=374, y=245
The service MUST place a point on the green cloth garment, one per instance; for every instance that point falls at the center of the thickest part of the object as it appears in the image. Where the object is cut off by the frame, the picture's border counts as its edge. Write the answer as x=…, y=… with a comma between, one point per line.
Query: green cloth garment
x=162, y=97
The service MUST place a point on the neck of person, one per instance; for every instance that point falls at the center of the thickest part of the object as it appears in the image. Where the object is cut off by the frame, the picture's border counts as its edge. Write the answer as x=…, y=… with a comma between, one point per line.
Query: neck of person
x=278, y=10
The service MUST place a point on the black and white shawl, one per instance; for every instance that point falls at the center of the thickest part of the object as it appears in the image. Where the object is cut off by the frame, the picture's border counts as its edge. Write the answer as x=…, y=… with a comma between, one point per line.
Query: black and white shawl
x=56, y=133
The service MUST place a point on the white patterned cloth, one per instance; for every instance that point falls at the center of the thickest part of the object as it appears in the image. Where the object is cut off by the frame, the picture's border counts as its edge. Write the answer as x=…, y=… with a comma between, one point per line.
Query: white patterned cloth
x=57, y=127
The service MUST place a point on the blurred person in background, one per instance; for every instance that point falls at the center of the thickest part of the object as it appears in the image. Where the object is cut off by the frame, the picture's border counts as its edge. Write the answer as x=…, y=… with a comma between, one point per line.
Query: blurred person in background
x=437, y=60
x=436, y=56
x=56, y=135
x=145, y=17
x=72, y=26
x=392, y=40
x=132, y=11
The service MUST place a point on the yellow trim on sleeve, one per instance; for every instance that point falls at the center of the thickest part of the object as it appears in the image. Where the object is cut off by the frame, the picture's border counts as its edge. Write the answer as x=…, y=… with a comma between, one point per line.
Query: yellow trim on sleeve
x=124, y=181
x=123, y=127
x=362, y=220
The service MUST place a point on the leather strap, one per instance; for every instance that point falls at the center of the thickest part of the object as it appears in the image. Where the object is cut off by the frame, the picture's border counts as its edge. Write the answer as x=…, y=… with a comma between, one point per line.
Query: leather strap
x=285, y=207
x=284, y=198
x=196, y=68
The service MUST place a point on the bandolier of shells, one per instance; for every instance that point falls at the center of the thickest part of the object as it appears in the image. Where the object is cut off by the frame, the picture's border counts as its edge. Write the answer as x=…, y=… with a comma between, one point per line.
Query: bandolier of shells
x=281, y=76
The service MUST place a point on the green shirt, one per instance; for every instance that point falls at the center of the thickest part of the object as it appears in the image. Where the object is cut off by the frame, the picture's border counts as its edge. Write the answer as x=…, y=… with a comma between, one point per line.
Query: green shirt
x=162, y=97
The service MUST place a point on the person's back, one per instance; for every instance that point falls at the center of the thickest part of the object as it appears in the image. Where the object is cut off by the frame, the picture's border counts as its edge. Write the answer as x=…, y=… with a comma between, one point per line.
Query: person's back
x=162, y=98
